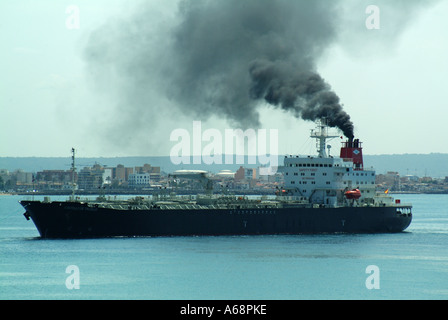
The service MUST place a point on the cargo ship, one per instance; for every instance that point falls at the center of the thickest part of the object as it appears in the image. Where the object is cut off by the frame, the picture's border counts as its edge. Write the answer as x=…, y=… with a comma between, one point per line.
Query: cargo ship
x=321, y=194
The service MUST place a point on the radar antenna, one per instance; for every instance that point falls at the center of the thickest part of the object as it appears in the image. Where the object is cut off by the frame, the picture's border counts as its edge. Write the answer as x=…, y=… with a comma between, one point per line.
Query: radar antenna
x=321, y=134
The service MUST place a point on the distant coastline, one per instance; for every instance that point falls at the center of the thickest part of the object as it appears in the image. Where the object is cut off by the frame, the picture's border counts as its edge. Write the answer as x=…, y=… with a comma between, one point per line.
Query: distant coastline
x=431, y=165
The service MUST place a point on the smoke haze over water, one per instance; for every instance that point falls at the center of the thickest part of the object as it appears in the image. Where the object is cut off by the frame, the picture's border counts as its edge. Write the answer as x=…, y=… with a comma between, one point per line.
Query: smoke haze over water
x=223, y=58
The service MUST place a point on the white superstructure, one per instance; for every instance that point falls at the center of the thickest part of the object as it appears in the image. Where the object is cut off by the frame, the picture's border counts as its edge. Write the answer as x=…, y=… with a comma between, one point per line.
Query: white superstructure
x=323, y=179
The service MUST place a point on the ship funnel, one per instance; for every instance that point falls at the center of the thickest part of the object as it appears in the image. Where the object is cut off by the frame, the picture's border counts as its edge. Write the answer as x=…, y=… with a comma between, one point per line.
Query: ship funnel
x=352, y=151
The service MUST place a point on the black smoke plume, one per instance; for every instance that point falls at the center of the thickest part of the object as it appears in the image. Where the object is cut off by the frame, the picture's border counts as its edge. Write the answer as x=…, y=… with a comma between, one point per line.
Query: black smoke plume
x=223, y=58
x=304, y=93
x=235, y=54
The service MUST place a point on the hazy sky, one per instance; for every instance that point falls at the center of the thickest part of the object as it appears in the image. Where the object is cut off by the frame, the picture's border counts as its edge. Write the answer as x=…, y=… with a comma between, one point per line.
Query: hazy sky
x=391, y=81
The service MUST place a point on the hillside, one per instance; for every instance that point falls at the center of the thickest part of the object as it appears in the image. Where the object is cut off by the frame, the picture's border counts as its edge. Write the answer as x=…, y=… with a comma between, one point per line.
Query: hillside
x=431, y=165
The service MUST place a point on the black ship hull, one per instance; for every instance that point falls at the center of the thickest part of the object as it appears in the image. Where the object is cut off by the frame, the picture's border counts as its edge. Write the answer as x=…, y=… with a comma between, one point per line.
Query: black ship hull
x=80, y=220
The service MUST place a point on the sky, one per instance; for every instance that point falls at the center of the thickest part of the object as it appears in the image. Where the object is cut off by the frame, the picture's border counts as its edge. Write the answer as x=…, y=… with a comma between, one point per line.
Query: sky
x=55, y=96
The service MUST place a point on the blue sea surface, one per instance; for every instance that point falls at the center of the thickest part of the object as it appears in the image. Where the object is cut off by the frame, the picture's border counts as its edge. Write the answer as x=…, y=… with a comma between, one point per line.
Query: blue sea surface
x=410, y=265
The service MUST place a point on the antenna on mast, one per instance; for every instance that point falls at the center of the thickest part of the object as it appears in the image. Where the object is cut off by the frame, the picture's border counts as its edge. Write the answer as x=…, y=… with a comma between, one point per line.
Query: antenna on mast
x=321, y=134
x=73, y=175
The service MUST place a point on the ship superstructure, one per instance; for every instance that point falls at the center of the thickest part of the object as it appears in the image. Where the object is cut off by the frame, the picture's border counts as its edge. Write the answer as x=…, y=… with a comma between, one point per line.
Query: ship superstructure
x=324, y=179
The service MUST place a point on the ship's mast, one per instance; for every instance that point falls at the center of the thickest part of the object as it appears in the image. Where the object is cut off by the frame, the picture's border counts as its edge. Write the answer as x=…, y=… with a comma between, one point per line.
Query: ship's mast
x=321, y=134
x=73, y=175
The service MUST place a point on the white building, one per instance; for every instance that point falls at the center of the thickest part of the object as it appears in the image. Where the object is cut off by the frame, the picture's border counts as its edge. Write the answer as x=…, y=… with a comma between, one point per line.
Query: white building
x=107, y=176
x=139, y=180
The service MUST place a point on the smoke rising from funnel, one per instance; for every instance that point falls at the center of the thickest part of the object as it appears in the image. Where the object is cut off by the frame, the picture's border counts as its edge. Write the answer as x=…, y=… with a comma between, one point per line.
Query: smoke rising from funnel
x=223, y=58
x=304, y=93
x=236, y=54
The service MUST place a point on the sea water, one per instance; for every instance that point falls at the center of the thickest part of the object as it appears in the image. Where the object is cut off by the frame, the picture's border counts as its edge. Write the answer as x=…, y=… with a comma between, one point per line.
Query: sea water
x=408, y=265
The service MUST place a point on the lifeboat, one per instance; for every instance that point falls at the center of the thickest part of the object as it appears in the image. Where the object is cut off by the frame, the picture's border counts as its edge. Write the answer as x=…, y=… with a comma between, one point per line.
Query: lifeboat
x=353, y=194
